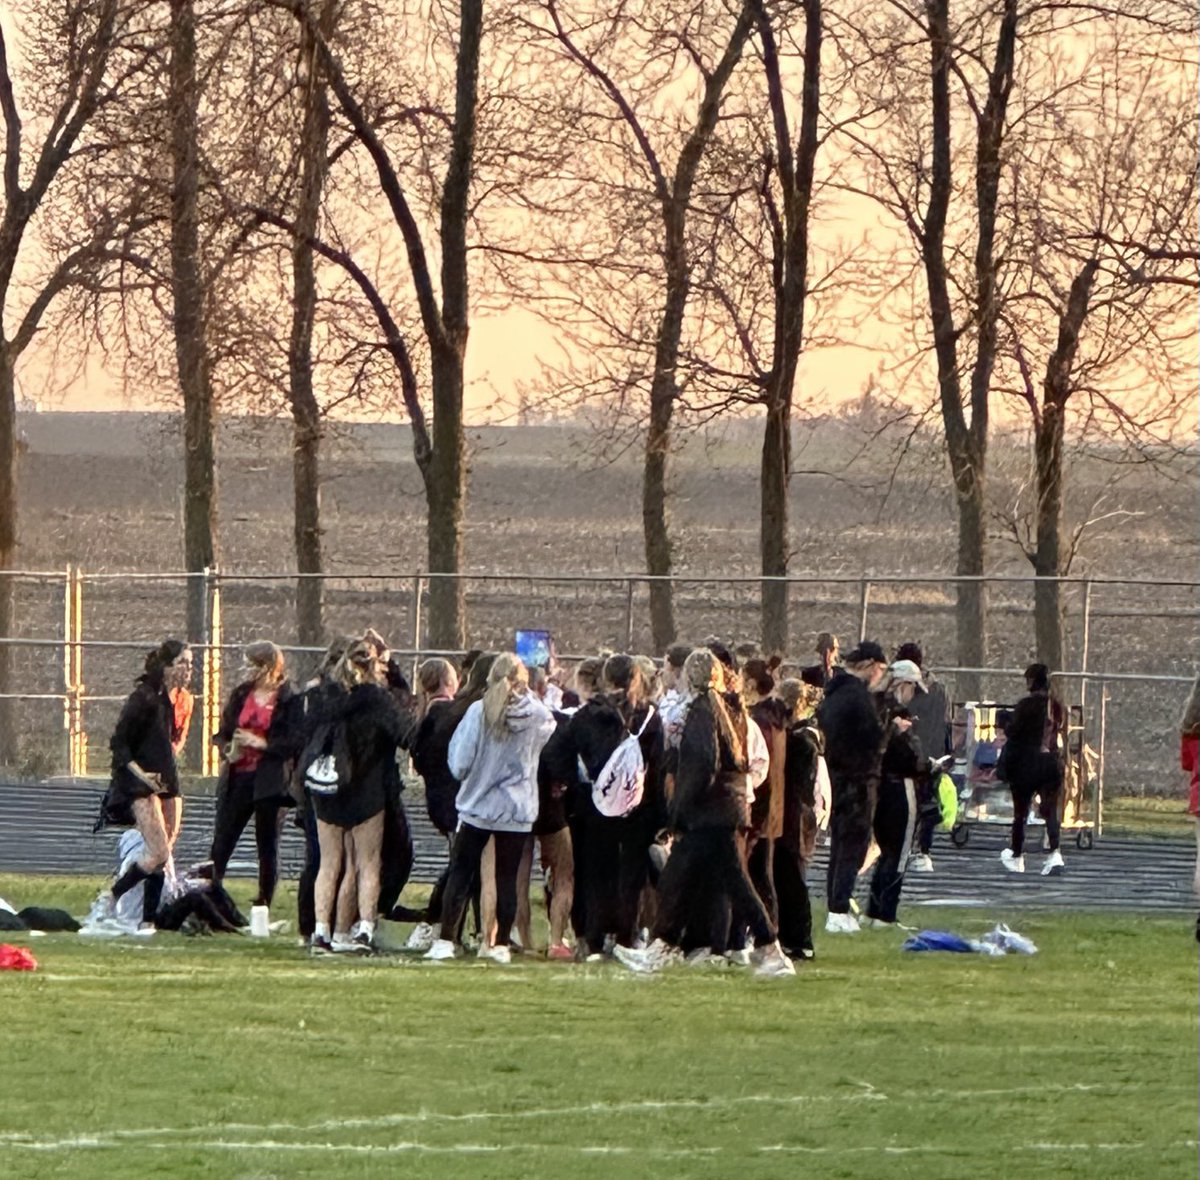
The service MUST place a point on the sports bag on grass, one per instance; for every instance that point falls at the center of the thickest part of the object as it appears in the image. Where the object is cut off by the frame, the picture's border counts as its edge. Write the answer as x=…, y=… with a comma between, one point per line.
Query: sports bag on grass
x=620, y=784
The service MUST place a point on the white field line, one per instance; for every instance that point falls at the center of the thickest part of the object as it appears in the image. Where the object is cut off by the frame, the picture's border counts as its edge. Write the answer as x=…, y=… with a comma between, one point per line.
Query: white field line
x=865, y=1093
x=560, y=1149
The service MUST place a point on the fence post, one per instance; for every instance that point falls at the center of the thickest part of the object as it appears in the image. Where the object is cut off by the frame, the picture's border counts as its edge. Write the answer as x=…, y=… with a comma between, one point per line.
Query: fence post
x=211, y=713
x=416, y=631
x=76, y=734
x=68, y=665
x=629, y=585
x=1086, y=644
x=1100, y=768
x=864, y=604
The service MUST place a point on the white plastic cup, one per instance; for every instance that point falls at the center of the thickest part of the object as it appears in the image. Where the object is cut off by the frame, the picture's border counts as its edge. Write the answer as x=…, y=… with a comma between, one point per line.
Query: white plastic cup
x=260, y=921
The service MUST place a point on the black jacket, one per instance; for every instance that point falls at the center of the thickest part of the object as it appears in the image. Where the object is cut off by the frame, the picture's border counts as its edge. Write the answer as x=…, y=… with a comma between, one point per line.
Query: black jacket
x=552, y=791
x=707, y=788
x=903, y=758
x=430, y=749
x=373, y=727
x=273, y=774
x=804, y=746
x=1030, y=755
x=592, y=735
x=143, y=735
x=849, y=719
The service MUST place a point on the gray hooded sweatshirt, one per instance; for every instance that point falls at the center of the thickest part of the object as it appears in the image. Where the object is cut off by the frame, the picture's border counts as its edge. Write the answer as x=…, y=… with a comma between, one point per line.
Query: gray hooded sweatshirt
x=498, y=772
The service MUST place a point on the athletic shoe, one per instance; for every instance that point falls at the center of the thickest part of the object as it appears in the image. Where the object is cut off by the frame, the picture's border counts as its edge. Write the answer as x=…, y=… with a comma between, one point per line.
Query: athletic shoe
x=1014, y=864
x=344, y=944
x=560, y=952
x=806, y=953
x=499, y=954
x=921, y=863
x=103, y=928
x=442, y=949
x=1054, y=866
x=770, y=960
x=700, y=957
x=320, y=945
x=841, y=924
x=103, y=909
x=362, y=942
x=655, y=957
x=738, y=958
x=421, y=938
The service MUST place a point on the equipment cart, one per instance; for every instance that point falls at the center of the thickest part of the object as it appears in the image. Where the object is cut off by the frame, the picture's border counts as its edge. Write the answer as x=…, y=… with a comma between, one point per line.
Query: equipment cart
x=978, y=737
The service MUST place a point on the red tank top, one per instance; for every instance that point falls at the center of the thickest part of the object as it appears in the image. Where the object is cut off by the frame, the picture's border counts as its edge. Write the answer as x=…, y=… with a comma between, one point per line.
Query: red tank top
x=256, y=719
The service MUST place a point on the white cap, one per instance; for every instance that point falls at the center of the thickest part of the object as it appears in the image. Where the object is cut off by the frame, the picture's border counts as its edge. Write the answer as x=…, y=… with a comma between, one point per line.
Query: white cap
x=906, y=672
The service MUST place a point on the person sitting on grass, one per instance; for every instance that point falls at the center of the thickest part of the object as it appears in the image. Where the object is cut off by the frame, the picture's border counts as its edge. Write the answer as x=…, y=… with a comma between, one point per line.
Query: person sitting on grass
x=494, y=754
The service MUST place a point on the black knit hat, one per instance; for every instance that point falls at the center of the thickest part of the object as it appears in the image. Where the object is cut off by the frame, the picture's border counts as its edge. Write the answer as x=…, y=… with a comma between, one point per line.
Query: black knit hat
x=867, y=652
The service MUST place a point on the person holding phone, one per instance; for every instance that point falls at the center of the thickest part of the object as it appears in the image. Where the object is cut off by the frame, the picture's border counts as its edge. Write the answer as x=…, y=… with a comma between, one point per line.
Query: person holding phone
x=254, y=779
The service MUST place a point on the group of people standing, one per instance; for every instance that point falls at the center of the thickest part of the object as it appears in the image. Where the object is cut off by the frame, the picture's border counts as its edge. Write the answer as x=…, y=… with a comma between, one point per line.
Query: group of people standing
x=675, y=806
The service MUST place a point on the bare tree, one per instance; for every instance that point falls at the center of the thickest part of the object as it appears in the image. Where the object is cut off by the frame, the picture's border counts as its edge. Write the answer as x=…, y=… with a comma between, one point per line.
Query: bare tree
x=69, y=56
x=593, y=43
x=1105, y=272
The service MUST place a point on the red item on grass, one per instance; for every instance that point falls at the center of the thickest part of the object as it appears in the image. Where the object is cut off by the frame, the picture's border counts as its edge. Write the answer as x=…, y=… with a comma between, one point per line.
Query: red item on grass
x=16, y=958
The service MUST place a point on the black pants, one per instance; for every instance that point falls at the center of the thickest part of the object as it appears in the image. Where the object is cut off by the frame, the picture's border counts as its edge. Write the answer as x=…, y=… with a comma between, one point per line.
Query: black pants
x=465, y=857
x=852, y=811
x=1046, y=786
x=705, y=874
x=614, y=872
x=577, y=822
x=895, y=818
x=791, y=891
x=759, y=852
x=306, y=907
x=235, y=806
x=396, y=854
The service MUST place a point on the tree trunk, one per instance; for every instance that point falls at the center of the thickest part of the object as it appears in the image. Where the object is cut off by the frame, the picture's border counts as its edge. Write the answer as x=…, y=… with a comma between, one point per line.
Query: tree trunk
x=187, y=289
x=790, y=269
x=446, y=483
x=446, y=495
x=773, y=479
x=655, y=527
x=9, y=743
x=663, y=389
x=1049, y=430
x=972, y=596
x=306, y=414
x=1048, y=559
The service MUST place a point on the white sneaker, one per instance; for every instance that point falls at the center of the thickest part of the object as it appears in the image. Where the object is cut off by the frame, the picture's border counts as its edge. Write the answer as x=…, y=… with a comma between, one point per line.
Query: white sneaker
x=499, y=954
x=921, y=863
x=344, y=944
x=841, y=924
x=739, y=958
x=442, y=948
x=655, y=957
x=700, y=957
x=770, y=960
x=1054, y=864
x=421, y=938
x=1014, y=864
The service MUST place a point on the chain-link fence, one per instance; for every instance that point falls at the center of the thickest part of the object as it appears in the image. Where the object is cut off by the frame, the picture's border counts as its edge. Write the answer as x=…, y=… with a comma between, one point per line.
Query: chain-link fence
x=79, y=639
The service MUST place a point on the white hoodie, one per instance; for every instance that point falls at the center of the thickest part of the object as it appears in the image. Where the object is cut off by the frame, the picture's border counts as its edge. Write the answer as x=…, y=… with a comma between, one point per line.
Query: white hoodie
x=498, y=772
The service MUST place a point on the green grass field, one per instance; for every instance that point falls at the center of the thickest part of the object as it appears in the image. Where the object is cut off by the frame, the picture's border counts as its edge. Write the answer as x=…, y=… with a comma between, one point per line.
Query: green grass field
x=225, y=1057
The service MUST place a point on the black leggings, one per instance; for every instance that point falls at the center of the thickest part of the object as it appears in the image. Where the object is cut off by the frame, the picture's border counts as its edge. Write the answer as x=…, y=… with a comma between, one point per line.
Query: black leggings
x=235, y=805
x=465, y=856
x=706, y=873
x=1047, y=807
x=791, y=890
x=895, y=817
x=614, y=873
